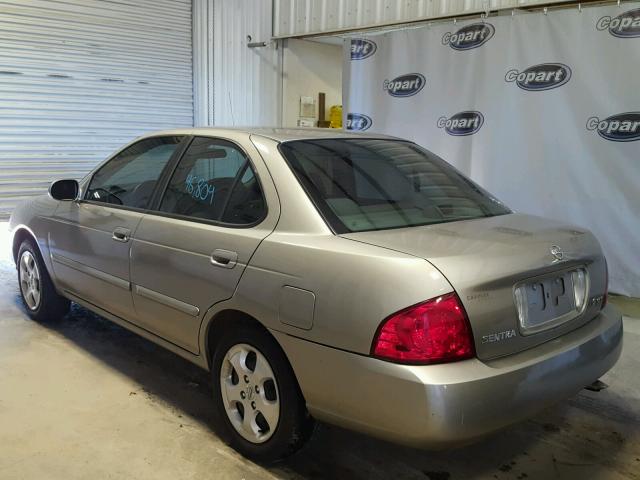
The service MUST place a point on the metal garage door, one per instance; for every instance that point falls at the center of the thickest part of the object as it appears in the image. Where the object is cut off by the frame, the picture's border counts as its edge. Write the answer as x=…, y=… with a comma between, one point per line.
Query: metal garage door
x=78, y=78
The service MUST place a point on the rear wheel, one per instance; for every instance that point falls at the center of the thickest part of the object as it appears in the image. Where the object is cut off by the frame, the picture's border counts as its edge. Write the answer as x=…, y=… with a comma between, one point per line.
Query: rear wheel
x=257, y=396
x=36, y=288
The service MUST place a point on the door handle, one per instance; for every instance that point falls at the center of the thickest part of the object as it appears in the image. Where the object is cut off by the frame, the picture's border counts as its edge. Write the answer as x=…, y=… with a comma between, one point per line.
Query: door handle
x=121, y=234
x=224, y=258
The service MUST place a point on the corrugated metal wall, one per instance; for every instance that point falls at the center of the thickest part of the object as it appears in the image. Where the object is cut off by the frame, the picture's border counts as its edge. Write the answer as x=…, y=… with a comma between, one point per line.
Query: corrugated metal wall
x=247, y=81
x=304, y=17
x=79, y=78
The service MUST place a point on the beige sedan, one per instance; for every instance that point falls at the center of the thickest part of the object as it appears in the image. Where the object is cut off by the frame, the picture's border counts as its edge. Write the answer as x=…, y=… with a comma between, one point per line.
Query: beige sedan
x=350, y=278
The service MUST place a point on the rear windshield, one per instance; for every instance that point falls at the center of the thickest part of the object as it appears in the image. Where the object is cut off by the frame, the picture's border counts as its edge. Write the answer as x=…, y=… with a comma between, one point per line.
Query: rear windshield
x=370, y=184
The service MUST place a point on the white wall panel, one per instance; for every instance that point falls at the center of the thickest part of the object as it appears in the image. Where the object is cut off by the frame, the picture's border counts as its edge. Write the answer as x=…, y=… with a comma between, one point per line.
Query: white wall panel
x=310, y=68
x=247, y=81
x=203, y=62
x=304, y=17
x=79, y=78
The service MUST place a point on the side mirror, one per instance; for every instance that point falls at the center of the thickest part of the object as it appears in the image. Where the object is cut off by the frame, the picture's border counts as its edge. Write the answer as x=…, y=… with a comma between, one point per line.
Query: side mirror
x=64, y=190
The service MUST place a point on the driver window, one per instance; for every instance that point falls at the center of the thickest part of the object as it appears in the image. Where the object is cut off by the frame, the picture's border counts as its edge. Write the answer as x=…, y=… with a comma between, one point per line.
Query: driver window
x=130, y=177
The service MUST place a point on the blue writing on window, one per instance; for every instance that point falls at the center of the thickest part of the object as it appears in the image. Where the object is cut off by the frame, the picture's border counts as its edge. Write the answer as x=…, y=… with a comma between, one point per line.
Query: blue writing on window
x=199, y=188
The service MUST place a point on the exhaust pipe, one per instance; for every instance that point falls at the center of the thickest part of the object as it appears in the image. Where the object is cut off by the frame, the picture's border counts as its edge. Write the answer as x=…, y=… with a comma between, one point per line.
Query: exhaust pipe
x=596, y=386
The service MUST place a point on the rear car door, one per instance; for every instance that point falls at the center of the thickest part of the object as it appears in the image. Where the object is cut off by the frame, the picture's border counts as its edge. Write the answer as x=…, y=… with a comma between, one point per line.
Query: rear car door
x=192, y=250
x=90, y=239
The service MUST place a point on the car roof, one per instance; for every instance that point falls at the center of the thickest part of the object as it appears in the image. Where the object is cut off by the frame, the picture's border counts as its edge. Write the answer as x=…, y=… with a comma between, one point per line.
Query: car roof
x=277, y=134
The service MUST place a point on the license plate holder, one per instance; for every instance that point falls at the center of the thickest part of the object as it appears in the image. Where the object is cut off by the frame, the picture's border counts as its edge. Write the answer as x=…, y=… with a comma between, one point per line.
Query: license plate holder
x=547, y=302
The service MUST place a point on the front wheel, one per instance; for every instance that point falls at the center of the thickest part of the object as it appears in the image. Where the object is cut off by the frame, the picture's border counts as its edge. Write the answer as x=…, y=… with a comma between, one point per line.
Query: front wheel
x=36, y=288
x=257, y=395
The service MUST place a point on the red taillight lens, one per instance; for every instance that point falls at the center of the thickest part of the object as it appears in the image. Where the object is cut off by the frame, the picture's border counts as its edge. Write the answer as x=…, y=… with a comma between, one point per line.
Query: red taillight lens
x=435, y=331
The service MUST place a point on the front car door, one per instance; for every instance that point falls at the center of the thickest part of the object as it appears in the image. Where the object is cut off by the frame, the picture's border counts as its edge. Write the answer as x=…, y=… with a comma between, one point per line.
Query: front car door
x=90, y=239
x=191, y=253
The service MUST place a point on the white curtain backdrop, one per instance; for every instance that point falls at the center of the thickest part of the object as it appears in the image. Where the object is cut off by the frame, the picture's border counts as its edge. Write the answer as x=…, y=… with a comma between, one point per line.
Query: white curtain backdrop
x=542, y=110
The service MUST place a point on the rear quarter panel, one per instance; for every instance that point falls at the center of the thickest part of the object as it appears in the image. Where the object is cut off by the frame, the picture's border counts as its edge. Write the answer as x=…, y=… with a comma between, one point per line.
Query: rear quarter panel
x=356, y=286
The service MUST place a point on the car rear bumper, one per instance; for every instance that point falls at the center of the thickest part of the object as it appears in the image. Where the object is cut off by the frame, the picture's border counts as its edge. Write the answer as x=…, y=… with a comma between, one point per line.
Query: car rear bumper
x=438, y=406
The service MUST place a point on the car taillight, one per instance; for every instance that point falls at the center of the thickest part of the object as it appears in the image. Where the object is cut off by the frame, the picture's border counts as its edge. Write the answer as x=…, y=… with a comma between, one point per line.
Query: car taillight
x=605, y=297
x=435, y=331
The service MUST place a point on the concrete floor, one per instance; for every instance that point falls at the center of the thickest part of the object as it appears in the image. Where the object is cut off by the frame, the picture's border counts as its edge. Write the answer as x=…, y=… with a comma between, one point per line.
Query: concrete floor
x=87, y=399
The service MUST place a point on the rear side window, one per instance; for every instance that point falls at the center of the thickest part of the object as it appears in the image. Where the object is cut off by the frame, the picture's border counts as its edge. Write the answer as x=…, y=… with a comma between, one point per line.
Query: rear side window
x=214, y=181
x=370, y=184
x=130, y=177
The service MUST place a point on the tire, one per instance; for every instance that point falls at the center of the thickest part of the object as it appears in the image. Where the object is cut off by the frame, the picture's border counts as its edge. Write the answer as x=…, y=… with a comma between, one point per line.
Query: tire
x=38, y=294
x=271, y=437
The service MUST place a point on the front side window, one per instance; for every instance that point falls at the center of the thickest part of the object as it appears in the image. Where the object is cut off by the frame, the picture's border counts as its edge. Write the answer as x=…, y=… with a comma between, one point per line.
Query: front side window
x=214, y=181
x=129, y=178
x=370, y=184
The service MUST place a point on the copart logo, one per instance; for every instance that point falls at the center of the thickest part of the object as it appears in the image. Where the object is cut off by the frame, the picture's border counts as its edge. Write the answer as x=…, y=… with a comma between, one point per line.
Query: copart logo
x=361, y=48
x=358, y=121
x=625, y=25
x=405, y=85
x=540, y=77
x=470, y=36
x=462, y=123
x=622, y=127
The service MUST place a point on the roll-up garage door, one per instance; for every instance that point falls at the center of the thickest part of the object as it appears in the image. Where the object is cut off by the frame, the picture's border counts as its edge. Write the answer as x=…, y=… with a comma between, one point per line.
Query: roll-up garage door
x=79, y=78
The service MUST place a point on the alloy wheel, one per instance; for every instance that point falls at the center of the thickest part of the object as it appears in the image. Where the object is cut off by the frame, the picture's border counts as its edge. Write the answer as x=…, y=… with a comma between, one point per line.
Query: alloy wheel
x=30, y=283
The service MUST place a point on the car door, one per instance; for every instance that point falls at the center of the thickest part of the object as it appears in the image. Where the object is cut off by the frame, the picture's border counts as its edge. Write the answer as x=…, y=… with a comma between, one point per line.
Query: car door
x=90, y=239
x=191, y=253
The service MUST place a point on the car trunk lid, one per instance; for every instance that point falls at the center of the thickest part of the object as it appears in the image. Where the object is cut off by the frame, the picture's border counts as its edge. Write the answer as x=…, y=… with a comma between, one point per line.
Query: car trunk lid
x=486, y=259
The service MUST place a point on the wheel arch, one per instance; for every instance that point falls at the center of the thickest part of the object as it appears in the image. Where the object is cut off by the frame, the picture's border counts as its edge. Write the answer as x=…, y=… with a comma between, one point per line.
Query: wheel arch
x=21, y=234
x=229, y=317
x=225, y=319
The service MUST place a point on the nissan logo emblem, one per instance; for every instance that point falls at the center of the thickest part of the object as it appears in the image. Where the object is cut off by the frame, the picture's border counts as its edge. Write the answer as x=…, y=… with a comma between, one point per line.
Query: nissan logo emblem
x=557, y=252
